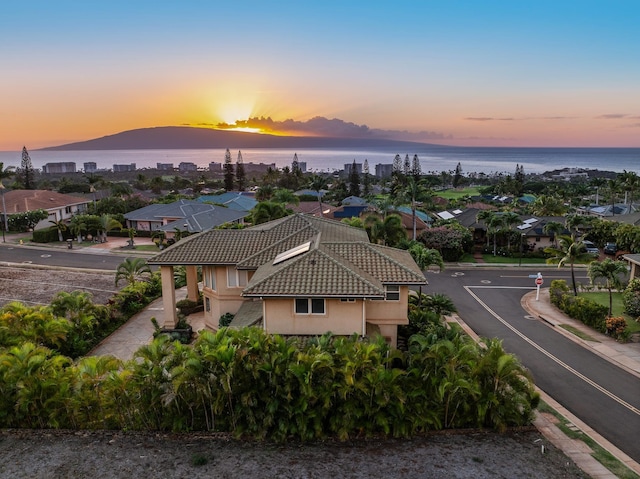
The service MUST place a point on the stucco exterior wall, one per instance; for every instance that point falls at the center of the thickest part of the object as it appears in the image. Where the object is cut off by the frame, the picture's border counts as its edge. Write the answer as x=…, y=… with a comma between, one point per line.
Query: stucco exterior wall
x=342, y=318
x=395, y=311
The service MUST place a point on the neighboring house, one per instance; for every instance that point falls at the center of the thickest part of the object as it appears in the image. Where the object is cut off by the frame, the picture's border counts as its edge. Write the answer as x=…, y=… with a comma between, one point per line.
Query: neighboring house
x=234, y=200
x=299, y=275
x=185, y=215
x=634, y=264
x=609, y=211
x=631, y=218
x=60, y=207
x=313, y=208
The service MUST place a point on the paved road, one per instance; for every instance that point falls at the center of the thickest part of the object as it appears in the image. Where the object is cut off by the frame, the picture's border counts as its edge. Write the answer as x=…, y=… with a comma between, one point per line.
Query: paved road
x=599, y=393
x=60, y=257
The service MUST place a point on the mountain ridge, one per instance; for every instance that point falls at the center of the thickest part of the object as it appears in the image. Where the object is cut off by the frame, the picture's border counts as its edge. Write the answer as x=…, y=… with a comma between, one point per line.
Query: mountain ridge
x=188, y=137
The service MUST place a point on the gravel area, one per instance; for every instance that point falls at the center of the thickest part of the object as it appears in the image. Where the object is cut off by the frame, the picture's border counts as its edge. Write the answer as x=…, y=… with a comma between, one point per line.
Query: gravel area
x=110, y=455
x=37, y=286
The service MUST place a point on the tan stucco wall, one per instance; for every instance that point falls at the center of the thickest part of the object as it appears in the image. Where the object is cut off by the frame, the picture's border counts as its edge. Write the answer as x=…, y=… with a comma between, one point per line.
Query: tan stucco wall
x=389, y=310
x=339, y=318
x=223, y=300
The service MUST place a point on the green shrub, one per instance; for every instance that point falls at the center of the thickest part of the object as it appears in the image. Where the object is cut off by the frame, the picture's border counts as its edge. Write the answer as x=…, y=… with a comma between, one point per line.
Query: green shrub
x=558, y=289
x=225, y=320
x=577, y=307
x=631, y=298
x=45, y=236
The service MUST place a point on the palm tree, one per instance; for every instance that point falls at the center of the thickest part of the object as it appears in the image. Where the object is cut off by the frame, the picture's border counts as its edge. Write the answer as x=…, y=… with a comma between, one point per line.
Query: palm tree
x=132, y=270
x=61, y=226
x=610, y=271
x=494, y=225
x=285, y=196
x=318, y=184
x=597, y=182
x=553, y=228
x=425, y=257
x=485, y=217
x=77, y=226
x=107, y=223
x=569, y=251
x=388, y=231
x=267, y=211
x=547, y=205
x=413, y=193
x=630, y=182
x=5, y=173
x=613, y=185
x=510, y=219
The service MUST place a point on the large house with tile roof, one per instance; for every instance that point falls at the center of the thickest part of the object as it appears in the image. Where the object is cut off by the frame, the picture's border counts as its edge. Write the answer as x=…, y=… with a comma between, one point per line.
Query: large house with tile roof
x=184, y=215
x=60, y=207
x=299, y=275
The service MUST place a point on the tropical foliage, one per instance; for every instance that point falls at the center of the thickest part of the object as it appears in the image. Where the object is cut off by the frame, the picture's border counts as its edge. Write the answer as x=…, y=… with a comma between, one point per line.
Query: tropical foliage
x=569, y=251
x=249, y=383
x=132, y=270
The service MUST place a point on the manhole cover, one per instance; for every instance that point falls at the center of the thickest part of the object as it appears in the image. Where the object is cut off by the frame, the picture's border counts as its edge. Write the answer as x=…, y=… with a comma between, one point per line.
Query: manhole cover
x=485, y=281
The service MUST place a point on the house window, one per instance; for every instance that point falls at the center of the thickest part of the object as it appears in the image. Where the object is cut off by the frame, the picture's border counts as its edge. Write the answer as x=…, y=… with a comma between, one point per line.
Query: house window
x=236, y=278
x=68, y=210
x=392, y=292
x=347, y=300
x=207, y=304
x=309, y=306
x=209, y=277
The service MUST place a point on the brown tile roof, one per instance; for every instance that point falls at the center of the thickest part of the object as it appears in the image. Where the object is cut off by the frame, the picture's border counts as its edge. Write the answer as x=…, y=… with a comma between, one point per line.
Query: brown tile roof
x=255, y=245
x=340, y=261
x=316, y=273
x=389, y=265
x=21, y=201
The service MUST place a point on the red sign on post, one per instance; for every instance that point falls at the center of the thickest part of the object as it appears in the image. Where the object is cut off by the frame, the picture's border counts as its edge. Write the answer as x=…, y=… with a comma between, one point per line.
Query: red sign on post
x=539, y=281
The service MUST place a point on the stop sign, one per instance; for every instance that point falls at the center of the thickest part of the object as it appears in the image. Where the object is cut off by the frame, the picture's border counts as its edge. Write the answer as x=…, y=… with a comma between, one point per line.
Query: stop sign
x=539, y=281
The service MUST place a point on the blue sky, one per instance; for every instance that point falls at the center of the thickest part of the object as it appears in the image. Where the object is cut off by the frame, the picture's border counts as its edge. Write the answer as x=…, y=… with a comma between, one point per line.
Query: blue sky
x=529, y=73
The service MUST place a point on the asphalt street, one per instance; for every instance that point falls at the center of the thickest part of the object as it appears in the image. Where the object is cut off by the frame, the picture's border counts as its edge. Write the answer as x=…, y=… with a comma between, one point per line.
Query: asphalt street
x=601, y=394
x=101, y=260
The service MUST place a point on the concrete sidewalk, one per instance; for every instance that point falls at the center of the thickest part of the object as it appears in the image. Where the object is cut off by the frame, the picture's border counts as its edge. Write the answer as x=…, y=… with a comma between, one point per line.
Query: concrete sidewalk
x=624, y=355
x=138, y=331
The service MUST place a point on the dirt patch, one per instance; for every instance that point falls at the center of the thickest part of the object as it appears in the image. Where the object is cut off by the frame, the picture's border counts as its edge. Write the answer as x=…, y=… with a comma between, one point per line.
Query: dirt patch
x=109, y=455
x=37, y=286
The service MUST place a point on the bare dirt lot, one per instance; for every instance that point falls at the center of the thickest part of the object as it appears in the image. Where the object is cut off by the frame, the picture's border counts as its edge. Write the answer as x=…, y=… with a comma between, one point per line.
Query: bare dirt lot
x=109, y=455
x=37, y=286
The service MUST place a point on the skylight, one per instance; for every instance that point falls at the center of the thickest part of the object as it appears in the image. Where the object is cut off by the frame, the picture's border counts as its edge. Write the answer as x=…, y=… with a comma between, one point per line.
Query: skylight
x=290, y=253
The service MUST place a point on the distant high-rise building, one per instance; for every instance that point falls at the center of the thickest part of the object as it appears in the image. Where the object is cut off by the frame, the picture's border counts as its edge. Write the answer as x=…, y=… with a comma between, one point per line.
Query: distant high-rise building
x=215, y=167
x=185, y=166
x=384, y=171
x=164, y=166
x=348, y=166
x=121, y=168
x=63, y=167
x=303, y=166
x=90, y=167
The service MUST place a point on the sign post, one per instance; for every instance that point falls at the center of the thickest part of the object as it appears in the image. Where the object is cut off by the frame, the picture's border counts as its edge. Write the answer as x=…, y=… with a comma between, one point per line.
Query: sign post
x=539, y=282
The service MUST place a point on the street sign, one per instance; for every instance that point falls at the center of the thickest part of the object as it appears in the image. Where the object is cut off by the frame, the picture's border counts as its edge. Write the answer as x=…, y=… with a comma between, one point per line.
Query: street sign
x=539, y=281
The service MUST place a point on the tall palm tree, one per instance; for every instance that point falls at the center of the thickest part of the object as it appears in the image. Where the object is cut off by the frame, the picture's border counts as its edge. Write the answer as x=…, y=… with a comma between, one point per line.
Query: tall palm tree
x=318, y=184
x=597, y=183
x=611, y=271
x=485, y=216
x=548, y=205
x=630, y=182
x=495, y=223
x=568, y=251
x=132, y=270
x=413, y=192
x=553, y=228
x=510, y=219
x=5, y=173
x=285, y=196
x=613, y=186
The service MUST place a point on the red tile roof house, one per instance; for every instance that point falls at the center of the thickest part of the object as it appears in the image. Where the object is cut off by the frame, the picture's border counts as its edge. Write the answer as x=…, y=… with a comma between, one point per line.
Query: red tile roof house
x=59, y=206
x=299, y=275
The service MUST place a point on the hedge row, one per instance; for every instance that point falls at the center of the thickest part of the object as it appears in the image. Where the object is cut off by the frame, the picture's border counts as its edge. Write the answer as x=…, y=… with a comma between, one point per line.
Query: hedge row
x=589, y=312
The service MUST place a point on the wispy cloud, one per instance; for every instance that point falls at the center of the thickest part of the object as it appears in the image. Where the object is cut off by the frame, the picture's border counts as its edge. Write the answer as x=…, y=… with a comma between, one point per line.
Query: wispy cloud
x=479, y=118
x=510, y=118
x=612, y=116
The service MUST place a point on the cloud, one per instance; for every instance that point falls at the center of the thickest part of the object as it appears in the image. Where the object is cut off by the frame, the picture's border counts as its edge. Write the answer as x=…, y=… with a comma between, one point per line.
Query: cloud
x=510, y=118
x=612, y=116
x=479, y=118
x=324, y=127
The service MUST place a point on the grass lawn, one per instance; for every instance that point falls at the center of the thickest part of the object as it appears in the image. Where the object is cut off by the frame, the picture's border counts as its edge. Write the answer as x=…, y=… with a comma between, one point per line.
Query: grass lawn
x=602, y=297
x=458, y=193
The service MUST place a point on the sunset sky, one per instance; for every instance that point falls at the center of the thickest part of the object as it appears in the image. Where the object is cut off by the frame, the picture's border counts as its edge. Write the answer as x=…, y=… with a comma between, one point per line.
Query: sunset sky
x=503, y=73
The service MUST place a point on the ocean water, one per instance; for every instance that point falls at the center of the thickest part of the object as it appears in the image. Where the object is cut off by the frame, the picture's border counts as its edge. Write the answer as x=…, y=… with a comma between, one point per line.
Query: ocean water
x=432, y=158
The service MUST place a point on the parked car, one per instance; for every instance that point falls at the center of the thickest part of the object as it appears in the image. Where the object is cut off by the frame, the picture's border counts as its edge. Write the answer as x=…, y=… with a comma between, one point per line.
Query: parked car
x=591, y=248
x=610, y=248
